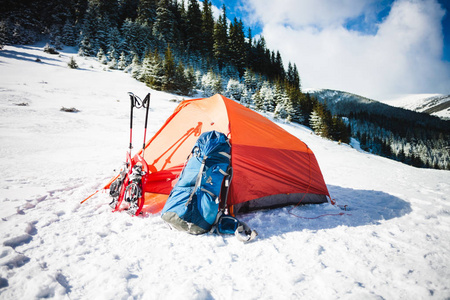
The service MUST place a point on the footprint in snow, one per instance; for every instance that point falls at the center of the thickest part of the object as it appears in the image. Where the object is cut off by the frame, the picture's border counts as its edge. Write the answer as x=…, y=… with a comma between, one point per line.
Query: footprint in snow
x=18, y=241
x=16, y=261
x=3, y=283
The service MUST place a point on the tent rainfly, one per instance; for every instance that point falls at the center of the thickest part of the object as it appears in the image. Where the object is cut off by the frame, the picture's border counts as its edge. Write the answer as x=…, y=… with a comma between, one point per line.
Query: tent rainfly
x=271, y=167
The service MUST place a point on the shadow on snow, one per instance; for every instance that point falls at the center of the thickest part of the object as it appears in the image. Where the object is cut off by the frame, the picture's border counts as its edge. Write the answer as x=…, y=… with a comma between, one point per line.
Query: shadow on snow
x=364, y=207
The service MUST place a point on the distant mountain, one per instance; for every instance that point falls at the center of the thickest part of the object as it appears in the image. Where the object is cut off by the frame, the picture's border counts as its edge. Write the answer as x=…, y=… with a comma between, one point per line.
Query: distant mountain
x=415, y=137
x=343, y=103
x=435, y=104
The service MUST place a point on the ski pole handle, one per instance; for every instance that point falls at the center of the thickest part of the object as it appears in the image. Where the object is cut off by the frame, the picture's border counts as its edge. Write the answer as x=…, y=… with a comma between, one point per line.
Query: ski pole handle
x=146, y=104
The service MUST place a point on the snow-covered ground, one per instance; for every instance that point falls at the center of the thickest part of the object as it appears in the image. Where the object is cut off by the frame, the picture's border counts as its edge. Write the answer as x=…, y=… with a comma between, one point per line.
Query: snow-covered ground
x=392, y=243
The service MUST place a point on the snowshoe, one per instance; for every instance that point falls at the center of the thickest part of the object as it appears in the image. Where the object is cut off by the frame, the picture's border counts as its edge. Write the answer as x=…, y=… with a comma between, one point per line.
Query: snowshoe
x=116, y=187
x=133, y=193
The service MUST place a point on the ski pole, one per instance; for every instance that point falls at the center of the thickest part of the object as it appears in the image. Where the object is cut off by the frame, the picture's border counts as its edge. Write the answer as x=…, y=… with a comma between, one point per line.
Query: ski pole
x=146, y=104
x=132, y=100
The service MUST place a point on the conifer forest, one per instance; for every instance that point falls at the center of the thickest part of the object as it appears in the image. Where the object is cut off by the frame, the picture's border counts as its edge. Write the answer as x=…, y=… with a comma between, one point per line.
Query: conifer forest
x=179, y=47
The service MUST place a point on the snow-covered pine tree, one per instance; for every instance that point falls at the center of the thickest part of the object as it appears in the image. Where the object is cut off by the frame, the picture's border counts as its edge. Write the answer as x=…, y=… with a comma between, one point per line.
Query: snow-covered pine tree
x=284, y=108
x=102, y=57
x=267, y=94
x=57, y=42
x=234, y=89
x=211, y=84
x=88, y=37
x=246, y=98
x=122, y=64
x=156, y=77
x=318, y=121
x=68, y=34
x=258, y=101
x=164, y=26
x=102, y=36
x=112, y=58
x=146, y=12
x=135, y=67
x=250, y=81
x=290, y=110
x=114, y=41
x=146, y=68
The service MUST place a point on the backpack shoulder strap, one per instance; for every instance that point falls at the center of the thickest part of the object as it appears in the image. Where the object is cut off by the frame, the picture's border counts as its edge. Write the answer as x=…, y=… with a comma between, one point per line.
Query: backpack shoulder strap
x=198, y=181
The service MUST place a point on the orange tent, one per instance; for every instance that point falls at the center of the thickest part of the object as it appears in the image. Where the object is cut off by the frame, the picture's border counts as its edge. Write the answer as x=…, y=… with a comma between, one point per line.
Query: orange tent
x=271, y=167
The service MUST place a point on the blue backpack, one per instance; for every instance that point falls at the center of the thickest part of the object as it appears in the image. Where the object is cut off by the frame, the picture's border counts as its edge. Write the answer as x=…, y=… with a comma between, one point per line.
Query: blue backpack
x=193, y=204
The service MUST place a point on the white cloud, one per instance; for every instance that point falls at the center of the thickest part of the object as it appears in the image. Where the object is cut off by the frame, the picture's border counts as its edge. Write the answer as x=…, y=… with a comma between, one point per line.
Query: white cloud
x=404, y=56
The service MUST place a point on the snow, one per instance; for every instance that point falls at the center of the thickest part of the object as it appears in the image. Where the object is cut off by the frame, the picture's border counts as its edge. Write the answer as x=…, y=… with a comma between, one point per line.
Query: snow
x=422, y=103
x=392, y=242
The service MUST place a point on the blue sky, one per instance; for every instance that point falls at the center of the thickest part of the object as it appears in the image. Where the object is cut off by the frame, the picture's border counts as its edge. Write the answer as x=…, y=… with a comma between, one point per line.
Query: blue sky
x=376, y=48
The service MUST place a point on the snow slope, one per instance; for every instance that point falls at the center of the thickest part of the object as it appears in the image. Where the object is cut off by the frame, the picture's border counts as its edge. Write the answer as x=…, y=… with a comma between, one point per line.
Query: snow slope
x=392, y=243
x=434, y=104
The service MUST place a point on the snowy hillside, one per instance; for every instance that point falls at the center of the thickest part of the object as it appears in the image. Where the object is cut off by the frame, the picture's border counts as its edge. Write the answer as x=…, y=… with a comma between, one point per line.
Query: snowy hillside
x=392, y=243
x=434, y=104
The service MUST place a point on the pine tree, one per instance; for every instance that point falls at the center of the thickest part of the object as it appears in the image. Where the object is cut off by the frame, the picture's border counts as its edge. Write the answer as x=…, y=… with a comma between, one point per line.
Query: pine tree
x=128, y=9
x=112, y=60
x=250, y=81
x=169, y=71
x=164, y=26
x=217, y=87
x=146, y=68
x=146, y=13
x=114, y=42
x=104, y=26
x=258, y=101
x=246, y=98
x=108, y=9
x=266, y=94
x=290, y=109
x=156, y=77
x=122, y=64
x=211, y=84
x=319, y=122
x=101, y=56
x=221, y=39
x=88, y=37
x=135, y=66
x=68, y=34
x=296, y=79
x=234, y=89
x=207, y=30
x=183, y=80
x=72, y=63
x=194, y=27
x=237, y=46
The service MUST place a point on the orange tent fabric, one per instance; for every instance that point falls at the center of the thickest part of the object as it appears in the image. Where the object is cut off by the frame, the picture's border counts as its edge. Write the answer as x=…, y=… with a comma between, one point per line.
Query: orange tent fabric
x=271, y=167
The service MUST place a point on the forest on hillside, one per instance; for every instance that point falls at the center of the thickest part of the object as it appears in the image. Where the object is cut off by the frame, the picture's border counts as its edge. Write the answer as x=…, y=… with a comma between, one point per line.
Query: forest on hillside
x=179, y=47
x=411, y=137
